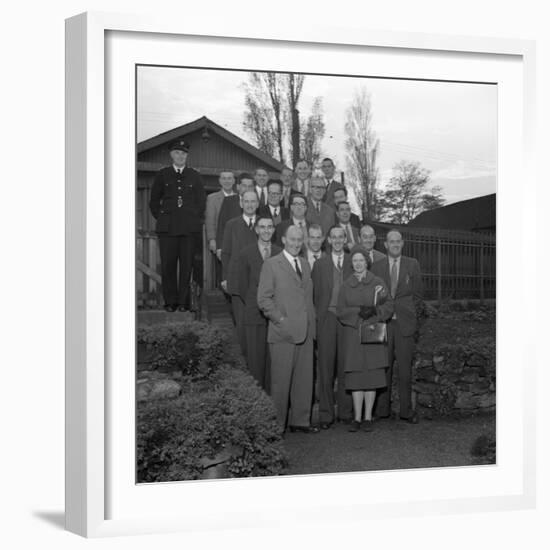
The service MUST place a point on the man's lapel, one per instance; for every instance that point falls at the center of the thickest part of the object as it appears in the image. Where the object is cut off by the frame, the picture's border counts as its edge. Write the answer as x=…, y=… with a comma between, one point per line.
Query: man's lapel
x=403, y=271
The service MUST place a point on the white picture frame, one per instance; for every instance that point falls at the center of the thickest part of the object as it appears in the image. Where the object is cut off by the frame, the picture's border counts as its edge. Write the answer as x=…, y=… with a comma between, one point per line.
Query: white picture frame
x=96, y=260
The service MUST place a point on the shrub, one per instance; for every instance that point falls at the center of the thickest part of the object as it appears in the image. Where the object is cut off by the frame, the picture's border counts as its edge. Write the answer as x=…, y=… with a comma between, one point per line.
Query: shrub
x=192, y=347
x=227, y=419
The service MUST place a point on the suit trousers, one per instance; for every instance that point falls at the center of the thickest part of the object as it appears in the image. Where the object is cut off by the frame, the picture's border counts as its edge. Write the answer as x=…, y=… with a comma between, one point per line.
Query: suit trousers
x=176, y=250
x=258, y=354
x=400, y=349
x=331, y=362
x=237, y=306
x=292, y=381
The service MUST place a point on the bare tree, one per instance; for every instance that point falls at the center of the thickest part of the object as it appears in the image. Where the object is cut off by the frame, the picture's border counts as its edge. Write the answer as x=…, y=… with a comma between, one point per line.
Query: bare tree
x=313, y=131
x=266, y=112
x=295, y=83
x=362, y=147
x=407, y=193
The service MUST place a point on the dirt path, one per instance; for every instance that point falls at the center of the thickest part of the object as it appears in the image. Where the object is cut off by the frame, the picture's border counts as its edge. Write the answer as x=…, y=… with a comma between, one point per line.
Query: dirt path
x=391, y=445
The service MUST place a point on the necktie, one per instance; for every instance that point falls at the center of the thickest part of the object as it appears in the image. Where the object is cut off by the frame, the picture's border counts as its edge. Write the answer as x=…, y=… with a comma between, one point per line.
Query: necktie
x=393, y=278
x=250, y=224
x=318, y=207
x=265, y=252
x=339, y=263
x=275, y=213
x=298, y=270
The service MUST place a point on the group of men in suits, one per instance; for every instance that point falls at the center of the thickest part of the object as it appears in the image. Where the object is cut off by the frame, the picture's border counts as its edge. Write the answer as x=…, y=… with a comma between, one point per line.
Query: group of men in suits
x=284, y=250
x=284, y=256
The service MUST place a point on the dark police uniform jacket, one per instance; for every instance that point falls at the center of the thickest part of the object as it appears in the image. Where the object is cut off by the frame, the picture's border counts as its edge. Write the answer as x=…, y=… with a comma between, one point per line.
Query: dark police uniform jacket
x=178, y=201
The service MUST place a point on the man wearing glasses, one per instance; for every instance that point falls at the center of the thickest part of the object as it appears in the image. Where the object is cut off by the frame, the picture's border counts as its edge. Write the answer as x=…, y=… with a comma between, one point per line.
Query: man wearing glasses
x=319, y=212
x=298, y=209
x=273, y=208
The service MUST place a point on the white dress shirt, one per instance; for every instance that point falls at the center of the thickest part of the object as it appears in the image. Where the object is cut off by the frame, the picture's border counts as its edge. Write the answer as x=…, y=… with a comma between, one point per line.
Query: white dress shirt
x=291, y=259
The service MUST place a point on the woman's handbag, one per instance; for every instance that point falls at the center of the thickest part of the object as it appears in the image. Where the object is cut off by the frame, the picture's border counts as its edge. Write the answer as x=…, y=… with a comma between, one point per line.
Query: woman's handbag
x=373, y=333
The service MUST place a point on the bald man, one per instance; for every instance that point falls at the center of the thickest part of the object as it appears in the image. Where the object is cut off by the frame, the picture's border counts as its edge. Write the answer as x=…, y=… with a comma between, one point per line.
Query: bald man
x=285, y=296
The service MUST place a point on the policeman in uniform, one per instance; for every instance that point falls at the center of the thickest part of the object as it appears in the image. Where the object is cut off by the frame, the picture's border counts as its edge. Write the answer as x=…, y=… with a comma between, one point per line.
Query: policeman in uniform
x=177, y=203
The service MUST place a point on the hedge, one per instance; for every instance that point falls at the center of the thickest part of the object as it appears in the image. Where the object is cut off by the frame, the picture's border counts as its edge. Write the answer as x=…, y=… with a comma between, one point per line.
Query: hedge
x=222, y=424
x=225, y=420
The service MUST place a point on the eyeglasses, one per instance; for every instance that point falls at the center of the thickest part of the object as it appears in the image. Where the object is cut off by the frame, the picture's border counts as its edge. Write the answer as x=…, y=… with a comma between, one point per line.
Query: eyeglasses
x=298, y=204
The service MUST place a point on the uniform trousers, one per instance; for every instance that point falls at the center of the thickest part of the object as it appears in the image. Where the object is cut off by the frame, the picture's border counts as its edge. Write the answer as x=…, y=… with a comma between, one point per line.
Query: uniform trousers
x=400, y=349
x=292, y=381
x=331, y=363
x=176, y=250
x=237, y=306
x=257, y=352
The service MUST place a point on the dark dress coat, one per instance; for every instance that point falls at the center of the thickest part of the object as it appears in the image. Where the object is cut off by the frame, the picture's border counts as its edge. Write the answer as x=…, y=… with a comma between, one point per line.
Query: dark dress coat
x=364, y=364
x=178, y=201
x=229, y=209
x=250, y=265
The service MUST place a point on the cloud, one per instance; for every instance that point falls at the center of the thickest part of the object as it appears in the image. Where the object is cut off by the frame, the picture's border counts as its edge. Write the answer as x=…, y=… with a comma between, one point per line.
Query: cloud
x=460, y=169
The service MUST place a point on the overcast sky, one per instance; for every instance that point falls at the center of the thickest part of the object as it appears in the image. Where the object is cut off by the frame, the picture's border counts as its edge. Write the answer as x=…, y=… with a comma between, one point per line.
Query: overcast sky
x=450, y=128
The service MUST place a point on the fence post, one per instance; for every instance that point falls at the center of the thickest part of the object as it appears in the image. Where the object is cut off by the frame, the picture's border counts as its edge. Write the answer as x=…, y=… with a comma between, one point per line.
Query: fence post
x=439, y=291
x=481, y=275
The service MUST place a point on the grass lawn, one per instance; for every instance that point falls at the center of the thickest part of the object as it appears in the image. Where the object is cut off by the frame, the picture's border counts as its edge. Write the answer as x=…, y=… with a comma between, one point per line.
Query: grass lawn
x=391, y=445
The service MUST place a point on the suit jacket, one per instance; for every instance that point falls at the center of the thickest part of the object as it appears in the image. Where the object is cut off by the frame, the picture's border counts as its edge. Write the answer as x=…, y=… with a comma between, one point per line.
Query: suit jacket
x=282, y=294
x=229, y=209
x=325, y=218
x=355, y=220
x=408, y=293
x=237, y=235
x=280, y=231
x=356, y=236
x=323, y=281
x=284, y=213
x=250, y=265
x=178, y=201
x=331, y=186
x=285, y=201
x=213, y=205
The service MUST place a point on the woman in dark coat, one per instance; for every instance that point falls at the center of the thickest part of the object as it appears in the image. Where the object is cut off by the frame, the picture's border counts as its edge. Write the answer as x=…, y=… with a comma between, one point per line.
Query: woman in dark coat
x=364, y=364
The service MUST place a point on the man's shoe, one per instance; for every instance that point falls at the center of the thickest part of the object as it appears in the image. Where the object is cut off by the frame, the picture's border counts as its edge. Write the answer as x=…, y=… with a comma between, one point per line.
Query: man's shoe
x=413, y=419
x=170, y=308
x=304, y=429
x=345, y=420
x=182, y=309
x=354, y=426
x=325, y=425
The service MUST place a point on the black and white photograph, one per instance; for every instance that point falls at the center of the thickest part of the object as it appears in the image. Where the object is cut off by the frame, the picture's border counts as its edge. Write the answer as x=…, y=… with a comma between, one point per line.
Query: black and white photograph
x=315, y=273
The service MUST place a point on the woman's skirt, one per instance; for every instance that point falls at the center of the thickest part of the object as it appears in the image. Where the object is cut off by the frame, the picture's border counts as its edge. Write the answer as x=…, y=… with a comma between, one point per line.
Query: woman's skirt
x=370, y=379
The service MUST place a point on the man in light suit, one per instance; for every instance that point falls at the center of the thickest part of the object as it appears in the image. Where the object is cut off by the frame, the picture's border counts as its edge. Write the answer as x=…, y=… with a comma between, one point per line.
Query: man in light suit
x=301, y=183
x=328, y=168
x=343, y=215
x=251, y=260
x=317, y=211
x=402, y=276
x=213, y=204
x=285, y=295
x=239, y=232
x=328, y=275
x=367, y=241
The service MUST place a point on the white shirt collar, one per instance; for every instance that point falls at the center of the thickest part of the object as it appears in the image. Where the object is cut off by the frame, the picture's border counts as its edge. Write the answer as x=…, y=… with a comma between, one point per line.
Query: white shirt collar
x=296, y=222
x=225, y=194
x=272, y=208
x=247, y=219
x=391, y=260
x=178, y=168
x=291, y=258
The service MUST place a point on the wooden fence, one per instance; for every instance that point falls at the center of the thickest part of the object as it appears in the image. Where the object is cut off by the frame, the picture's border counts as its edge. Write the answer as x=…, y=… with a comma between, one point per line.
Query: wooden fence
x=455, y=264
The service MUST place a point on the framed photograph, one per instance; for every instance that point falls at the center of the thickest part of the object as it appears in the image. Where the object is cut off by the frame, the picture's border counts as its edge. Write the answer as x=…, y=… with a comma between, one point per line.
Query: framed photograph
x=210, y=373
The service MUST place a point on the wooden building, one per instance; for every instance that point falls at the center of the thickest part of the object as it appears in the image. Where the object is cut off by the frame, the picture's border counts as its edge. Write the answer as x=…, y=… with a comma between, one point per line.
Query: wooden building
x=213, y=149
